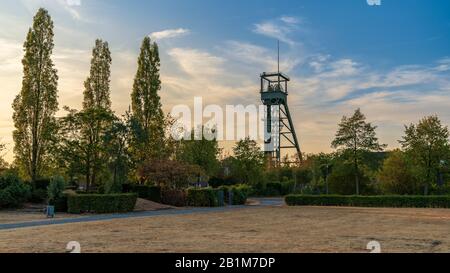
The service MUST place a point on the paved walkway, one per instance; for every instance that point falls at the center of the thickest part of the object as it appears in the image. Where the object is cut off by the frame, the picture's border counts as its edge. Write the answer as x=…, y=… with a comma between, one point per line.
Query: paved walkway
x=106, y=217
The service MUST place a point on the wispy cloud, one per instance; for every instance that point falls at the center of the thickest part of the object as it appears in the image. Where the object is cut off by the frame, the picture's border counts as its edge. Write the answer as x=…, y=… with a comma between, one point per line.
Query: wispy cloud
x=169, y=33
x=280, y=28
x=70, y=6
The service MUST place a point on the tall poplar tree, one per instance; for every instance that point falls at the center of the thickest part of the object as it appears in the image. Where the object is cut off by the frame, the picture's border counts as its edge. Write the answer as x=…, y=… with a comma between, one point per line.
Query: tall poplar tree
x=148, y=117
x=36, y=105
x=96, y=109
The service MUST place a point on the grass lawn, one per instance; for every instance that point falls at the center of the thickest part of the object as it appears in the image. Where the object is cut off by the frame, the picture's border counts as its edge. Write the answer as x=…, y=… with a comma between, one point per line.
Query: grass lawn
x=268, y=229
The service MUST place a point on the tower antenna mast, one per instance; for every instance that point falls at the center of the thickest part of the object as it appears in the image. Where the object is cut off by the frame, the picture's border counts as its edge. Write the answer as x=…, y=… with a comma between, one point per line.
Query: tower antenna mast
x=280, y=132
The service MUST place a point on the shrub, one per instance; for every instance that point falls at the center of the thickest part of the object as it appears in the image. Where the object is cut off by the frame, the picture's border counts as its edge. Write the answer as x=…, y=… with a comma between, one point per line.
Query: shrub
x=239, y=192
x=101, y=203
x=56, y=196
x=287, y=187
x=13, y=192
x=203, y=197
x=175, y=198
x=38, y=196
x=41, y=184
x=273, y=189
x=152, y=193
x=370, y=201
x=397, y=177
x=56, y=188
x=342, y=180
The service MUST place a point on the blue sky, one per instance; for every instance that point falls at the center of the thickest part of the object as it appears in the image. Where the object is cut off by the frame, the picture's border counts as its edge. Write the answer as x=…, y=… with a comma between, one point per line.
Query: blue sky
x=392, y=60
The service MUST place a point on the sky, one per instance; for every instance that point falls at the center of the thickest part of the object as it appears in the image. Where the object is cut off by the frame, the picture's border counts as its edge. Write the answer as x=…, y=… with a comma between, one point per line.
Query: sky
x=392, y=60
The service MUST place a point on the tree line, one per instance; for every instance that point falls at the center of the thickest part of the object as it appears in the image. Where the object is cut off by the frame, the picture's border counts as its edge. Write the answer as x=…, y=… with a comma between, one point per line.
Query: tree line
x=95, y=147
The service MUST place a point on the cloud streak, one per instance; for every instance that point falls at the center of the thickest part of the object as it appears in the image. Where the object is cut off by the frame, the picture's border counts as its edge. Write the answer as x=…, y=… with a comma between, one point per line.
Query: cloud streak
x=169, y=33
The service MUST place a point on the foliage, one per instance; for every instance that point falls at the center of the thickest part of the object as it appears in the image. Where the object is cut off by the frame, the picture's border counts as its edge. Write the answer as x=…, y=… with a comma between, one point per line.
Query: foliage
x=169, y=173
x=3, y=164
x=148, y=133
x=370, y=201
x=115, y=140
x=200, y=151
x=354, y=137
x=248, y=161
x=341, y=180
x=56, y=188
x=202, y=197
x=101, y=203
x=36, y=105
x=427, y=147
x=152, y=193
x=13, y=192
x=397, y=176
x=239, y=193
x=173, y=197
x=76, y=147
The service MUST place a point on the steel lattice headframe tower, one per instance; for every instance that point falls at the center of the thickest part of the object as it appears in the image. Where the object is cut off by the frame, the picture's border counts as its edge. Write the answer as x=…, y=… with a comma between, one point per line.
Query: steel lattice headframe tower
x=279, y=131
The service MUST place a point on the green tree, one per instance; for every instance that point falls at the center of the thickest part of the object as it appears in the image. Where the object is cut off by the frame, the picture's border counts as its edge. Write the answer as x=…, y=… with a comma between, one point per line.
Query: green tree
x=76, y=148
x=149, y=124
x=355, y=137
x=97, y=109
x=3, y=163
x=427, y=145
x=396, y=176
x=248, y=161
x=202, y=152
x=36, y=105
x=116, y=146
x=341, y=179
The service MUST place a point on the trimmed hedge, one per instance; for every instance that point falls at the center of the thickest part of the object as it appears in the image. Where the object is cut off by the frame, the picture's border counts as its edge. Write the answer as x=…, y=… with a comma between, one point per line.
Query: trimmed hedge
x=101, y=203
x=370, y=201
x=175, y=198
x=203, y=197
x=240, y=194
x=152, y=193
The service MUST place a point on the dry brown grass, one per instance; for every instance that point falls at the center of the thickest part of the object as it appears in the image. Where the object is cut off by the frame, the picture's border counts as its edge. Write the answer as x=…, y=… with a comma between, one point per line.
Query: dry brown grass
x=278, y=229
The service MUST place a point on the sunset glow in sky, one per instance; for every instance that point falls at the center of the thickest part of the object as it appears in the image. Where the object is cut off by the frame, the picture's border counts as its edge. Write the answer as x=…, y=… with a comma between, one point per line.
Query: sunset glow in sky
x=392, y=61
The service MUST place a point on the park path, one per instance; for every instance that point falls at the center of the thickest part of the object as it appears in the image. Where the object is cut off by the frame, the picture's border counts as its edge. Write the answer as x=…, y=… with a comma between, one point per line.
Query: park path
x=262, y=202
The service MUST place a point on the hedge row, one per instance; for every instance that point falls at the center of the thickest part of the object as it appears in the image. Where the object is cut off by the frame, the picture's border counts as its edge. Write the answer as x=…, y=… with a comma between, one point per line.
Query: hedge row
x=101, y=203
x=204, y=197
x=152, y=193
x=369, y=201
x=239, y=194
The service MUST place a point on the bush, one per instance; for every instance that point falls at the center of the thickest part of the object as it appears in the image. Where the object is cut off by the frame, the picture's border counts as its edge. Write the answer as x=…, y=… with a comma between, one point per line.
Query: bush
x=240, y=194
x=273, y=189
x=56, y=188
x=56, y=196
x=396, y=201
x=13, y=192
x=287, y=187
x=175, y=198
x=101, y=203
x=203, y=197
x=342, y=180
x=38, y=196
x=152, y=193
x=41, y=184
